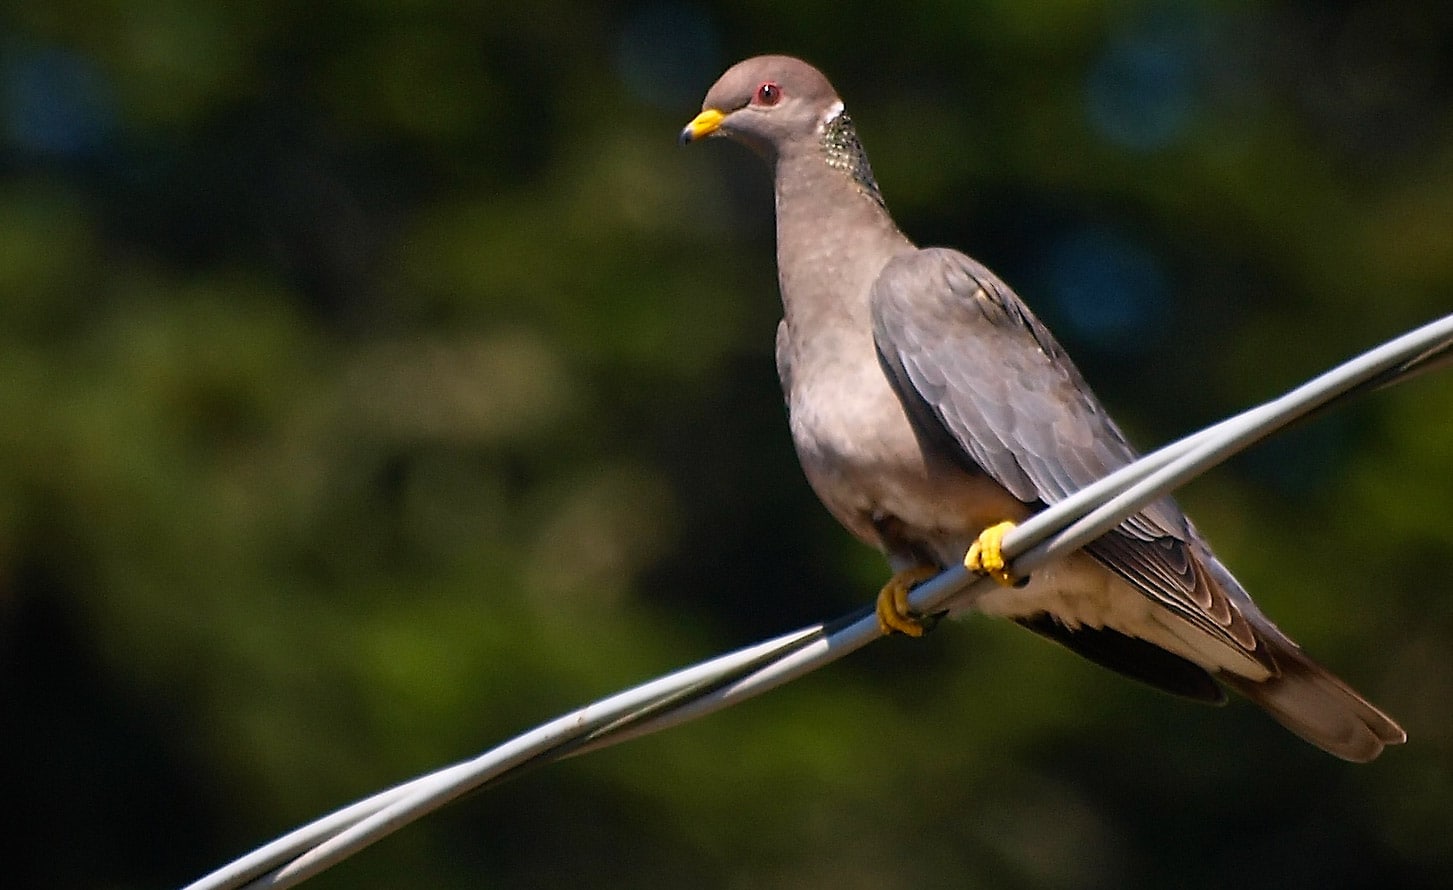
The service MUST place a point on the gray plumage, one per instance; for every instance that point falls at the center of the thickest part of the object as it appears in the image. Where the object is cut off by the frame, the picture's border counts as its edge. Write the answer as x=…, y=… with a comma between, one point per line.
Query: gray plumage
x=927, y=403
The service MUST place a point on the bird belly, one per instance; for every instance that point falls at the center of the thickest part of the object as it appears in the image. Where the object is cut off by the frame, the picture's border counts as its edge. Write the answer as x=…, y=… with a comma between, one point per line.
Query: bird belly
x=1078, y=592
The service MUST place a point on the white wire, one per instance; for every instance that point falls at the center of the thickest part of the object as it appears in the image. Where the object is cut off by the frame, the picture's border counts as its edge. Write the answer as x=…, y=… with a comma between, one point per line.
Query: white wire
x=1089, y=513
x=432, y=790
x=696, y=691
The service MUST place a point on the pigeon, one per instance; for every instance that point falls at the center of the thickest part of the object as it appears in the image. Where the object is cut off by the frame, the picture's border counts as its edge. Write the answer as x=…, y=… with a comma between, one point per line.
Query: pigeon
x=932, y=411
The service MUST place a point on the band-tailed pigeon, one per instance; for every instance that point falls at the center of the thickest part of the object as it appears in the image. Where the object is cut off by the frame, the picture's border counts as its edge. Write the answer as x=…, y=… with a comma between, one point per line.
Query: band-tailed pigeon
x=931, y=410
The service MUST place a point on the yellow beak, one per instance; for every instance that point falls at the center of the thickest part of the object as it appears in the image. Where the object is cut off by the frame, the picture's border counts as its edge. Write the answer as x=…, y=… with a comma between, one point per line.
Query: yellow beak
x=703, y=124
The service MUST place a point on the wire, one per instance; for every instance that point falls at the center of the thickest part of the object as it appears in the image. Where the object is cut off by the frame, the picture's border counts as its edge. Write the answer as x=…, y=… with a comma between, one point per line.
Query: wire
x=699, y=690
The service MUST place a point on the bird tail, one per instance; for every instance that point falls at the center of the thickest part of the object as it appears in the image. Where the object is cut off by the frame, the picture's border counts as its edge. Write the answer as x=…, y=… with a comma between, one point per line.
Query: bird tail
x=1302, y=695
x=1308, y=700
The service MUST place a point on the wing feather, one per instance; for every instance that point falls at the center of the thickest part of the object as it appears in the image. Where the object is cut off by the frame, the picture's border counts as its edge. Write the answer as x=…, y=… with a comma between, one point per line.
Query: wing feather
x=977, y=370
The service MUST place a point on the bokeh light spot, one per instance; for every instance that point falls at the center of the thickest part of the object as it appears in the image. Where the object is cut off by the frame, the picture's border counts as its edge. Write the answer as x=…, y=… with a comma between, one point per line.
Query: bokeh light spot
x=56, y=103
x=1141, y=92
x=1110, y=290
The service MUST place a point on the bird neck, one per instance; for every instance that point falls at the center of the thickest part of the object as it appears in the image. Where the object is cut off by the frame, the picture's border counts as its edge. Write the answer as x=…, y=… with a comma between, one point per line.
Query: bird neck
x=834, y=233
x=844, y=151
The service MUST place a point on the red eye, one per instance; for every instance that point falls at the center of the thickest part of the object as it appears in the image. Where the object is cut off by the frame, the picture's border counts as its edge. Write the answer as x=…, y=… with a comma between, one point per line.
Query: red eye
x=768, y=94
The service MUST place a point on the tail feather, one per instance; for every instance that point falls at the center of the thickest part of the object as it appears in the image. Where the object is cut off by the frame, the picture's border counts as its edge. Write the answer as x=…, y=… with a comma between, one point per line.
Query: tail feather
x=1308, y=700
x=1300, y=694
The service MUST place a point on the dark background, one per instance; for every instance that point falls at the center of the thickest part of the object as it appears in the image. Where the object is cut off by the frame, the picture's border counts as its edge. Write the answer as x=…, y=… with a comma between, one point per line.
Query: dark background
x=379, y=380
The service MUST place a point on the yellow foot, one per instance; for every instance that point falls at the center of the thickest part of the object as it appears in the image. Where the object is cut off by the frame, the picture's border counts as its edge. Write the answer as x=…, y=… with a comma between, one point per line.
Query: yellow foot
x=986, y=556
x=893, y=612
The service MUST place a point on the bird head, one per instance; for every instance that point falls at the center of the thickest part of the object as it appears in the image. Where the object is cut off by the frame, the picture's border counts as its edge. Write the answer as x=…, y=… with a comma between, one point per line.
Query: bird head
x=768, y=103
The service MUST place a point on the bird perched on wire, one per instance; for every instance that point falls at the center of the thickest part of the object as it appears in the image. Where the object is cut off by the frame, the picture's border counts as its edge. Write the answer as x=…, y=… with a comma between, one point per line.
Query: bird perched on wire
x=931, y=411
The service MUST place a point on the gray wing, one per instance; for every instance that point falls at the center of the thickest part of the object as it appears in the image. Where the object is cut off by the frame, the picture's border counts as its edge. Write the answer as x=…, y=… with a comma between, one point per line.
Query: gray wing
x=980, y=376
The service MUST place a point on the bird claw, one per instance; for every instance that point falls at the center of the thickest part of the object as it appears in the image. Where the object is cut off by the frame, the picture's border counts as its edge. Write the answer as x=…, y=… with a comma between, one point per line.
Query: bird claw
x=986, y=555
x=892, y=607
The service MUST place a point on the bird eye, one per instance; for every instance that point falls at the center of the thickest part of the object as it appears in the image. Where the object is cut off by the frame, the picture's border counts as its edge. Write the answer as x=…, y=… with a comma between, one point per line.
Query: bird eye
x=768, y=94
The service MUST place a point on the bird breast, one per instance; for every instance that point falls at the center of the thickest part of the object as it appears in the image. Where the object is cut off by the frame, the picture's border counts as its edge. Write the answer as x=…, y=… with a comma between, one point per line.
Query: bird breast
x=863, y=459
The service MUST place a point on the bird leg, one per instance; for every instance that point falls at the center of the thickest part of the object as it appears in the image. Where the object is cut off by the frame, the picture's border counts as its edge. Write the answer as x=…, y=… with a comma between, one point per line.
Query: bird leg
x=986, y=555
x=892, y=609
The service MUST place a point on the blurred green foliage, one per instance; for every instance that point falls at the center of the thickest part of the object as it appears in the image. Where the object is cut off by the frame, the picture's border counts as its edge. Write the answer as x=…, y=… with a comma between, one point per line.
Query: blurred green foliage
x=378, y=381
